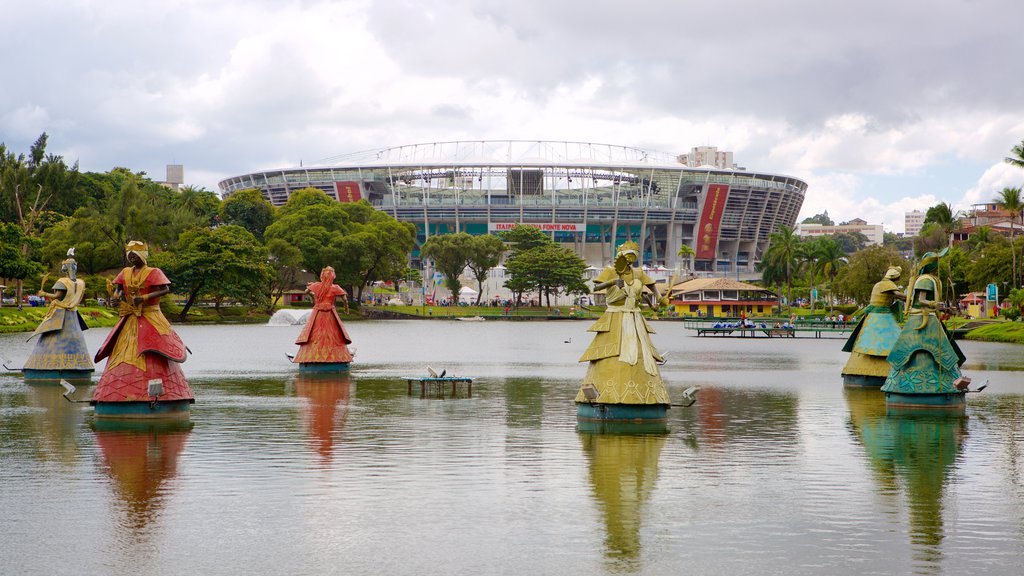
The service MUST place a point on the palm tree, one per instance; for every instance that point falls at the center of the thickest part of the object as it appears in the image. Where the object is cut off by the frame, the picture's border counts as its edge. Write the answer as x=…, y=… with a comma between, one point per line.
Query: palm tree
x=943, y=215
x=806, y=257
x=781, y=256
x=829, y=258
x=1009, y=199
x=1016, y=157
x=686, y=252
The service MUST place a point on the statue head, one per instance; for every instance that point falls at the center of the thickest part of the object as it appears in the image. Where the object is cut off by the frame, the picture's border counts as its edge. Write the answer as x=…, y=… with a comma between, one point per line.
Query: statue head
x=627, y=253
x=327, y=275
x=893, y=273
x=930, y=261
x=70, y=268
x=138, y=250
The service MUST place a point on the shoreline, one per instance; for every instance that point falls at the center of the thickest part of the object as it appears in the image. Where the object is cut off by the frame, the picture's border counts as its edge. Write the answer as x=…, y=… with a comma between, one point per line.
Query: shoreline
x=25, y=321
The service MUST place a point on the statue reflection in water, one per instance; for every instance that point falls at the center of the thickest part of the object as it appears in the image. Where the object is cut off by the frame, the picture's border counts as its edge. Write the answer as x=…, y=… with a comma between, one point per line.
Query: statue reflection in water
x=141, y=457
x=915, y=450
x=328, y=397
x=623, y=465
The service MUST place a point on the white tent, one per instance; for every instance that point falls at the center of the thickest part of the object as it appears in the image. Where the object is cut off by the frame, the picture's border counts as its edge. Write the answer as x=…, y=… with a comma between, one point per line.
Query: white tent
x=467, y=295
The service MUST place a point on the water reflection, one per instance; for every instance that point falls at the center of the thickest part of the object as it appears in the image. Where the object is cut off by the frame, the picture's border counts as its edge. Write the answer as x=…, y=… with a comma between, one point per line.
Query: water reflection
x=141, y=458
x=623, y=467
x=916, y=451
x=326, y=408
x=58, y=424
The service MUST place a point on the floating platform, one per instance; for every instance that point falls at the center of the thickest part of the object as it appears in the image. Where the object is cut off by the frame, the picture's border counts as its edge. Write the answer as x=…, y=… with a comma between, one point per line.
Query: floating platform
x=438, y=384
x=621, y=428
x=862, y=381
x=57, y=375
x=171, y=409
x=636, y=413
x=951, y=401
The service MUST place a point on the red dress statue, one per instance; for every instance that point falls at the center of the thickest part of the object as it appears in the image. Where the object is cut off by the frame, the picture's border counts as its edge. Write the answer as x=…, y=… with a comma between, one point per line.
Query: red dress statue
x=323, y=342
x=142, y=377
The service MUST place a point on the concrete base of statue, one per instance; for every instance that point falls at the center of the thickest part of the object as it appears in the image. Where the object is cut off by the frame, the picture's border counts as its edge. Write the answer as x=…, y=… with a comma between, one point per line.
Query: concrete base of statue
x=637, y=413
x=862, y=381
x=57, y=375
x=156, y=410
x=323, y=367
x=950, y=401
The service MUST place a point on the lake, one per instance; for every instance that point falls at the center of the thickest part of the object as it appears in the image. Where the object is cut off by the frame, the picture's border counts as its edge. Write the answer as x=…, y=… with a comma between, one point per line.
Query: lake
x=775, y=470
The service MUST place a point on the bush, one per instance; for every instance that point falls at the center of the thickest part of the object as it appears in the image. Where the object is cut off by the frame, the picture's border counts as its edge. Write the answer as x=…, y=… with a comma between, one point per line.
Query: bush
x=1011, y=314
x=302, y=304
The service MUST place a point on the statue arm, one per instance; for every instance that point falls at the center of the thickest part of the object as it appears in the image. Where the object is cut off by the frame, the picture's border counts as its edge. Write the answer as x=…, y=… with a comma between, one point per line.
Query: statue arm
x=160, y=291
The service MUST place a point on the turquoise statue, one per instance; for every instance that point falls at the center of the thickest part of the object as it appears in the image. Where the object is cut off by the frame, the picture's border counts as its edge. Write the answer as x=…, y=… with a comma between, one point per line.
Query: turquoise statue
x=875, y=334
x=924, y=364
x=60, y=351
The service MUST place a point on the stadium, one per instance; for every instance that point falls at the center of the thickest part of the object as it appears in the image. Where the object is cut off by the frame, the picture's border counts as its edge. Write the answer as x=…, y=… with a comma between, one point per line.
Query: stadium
x=589, y=197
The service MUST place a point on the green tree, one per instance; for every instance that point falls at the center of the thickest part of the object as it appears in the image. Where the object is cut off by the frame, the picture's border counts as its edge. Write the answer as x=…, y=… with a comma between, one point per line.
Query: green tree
x=286, y=261
x=781, y=257
x=14, y=261
x=520, y=238
x=829, y=259
x=484, y=253
x=1016, y=157
x=1009, y=199
x=942, y=215
x=83, y=233
x=198, y=202
x=993, y=264
x=822, y=219
x=865, y=268
x=850, y=242
x=687, y=253
x=549, y=269
x=248, y=209
x=361, y=243
x=224, y=262
x=450, y=253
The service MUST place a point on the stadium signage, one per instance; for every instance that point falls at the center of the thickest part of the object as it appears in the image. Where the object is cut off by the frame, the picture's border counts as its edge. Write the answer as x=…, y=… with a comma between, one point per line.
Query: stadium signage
x=543, y=227
x=710, y=220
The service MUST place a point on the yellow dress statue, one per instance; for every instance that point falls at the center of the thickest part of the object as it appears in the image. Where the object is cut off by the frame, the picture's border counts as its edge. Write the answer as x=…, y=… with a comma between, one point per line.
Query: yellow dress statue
x=623, y=361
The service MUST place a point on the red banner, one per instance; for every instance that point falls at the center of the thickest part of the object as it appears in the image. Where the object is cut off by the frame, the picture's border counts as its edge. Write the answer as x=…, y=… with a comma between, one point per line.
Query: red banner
x=706, y=232
x=348, y=191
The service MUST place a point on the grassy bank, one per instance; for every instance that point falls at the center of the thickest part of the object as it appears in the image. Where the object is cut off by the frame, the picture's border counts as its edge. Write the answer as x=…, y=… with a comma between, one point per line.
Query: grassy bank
x=1009, y=332
x=26, y=320
x=488, y=311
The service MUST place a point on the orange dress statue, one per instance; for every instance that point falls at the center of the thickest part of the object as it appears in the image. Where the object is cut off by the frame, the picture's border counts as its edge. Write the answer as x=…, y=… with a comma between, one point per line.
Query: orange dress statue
x=323, y=343
x=142, y=377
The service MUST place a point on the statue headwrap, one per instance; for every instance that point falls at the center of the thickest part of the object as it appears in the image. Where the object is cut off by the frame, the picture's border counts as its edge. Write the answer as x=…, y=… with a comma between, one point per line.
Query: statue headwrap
x=140, y=249
x=69, y=266
x=930, y=261
x=893, y=272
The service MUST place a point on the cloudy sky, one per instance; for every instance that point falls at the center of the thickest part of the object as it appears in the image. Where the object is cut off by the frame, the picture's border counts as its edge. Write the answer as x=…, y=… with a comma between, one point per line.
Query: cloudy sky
x=882, y=106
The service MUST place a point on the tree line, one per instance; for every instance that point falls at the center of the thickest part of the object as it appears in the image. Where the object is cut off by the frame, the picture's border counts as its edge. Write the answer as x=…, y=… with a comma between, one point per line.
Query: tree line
x=849, y=271
x=240, y=249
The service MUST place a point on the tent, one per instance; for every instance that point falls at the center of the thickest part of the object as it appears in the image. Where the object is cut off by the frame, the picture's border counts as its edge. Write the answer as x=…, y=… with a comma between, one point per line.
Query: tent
x=467, y=295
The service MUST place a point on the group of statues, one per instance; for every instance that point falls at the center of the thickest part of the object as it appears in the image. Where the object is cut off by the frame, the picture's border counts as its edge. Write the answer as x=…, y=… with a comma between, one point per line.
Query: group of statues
x=143, y=377
x=918, y=363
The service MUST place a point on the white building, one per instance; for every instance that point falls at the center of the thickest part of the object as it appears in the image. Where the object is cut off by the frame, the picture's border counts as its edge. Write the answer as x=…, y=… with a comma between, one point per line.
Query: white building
x=875, y=233
x=707, y=156
x=913, y=222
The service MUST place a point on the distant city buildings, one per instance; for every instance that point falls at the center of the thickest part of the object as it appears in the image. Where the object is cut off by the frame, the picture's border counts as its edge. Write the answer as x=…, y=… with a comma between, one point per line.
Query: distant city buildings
x=913, y=222
x=704, y=156
x=875, y=233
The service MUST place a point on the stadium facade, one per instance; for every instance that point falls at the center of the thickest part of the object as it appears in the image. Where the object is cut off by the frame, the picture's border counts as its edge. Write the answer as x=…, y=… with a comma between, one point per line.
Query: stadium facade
x=590, y=197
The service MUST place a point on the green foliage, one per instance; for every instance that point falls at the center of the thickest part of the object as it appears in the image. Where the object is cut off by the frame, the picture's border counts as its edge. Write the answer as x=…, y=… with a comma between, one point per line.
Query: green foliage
x=83, y=232
x=248, y=209
x=14, y=262
x=484, y=253
x=225, y=262
x=537, y=263
x=361, y=243
x=286, y=261
x=822, y=219
x=450, y=253
x=865, y=269
x=198, y=202
x=1011, y=314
